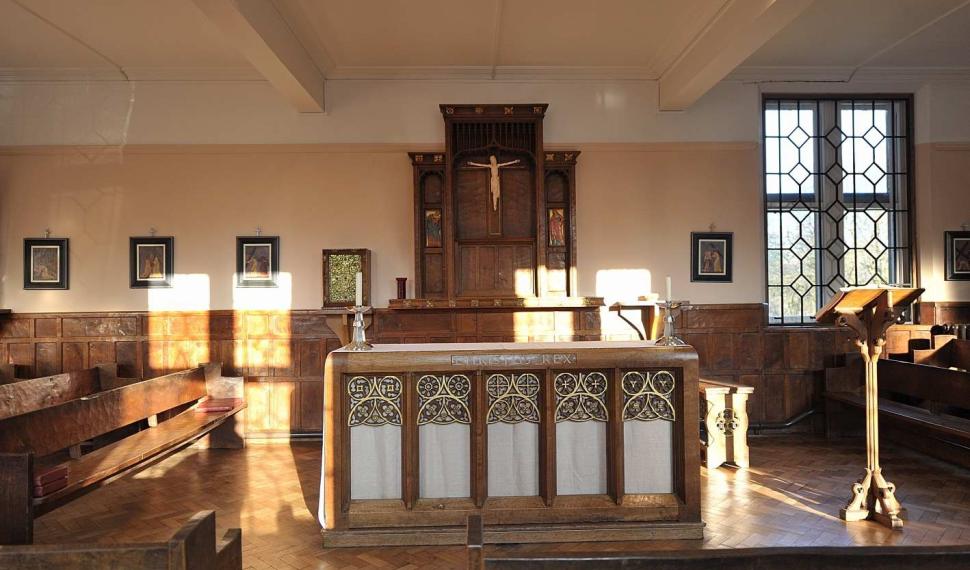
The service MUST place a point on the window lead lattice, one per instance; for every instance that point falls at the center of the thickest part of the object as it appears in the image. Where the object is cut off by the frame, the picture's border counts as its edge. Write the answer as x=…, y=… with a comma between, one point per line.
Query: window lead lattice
x=837, y=186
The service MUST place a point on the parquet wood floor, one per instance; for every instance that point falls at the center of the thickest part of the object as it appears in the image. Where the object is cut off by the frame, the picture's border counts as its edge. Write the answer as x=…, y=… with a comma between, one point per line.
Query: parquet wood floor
x=790, y=497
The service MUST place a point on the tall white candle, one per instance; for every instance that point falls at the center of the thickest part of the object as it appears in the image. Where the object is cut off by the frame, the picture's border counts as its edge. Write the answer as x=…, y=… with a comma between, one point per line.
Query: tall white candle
x=669, y=296
x=360, y=288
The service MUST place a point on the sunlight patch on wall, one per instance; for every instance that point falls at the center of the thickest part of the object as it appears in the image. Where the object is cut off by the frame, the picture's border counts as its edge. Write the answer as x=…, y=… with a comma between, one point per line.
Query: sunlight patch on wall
x=261, y=323
x=178, y=323
x=621, y=286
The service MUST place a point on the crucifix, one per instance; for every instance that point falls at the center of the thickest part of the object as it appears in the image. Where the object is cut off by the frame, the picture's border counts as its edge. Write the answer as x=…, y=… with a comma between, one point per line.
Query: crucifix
x=493, y=166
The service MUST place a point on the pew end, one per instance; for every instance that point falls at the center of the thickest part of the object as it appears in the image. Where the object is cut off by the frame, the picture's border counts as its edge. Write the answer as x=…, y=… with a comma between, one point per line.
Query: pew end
x=16, y=498
x=231, y=434
x=193, y=547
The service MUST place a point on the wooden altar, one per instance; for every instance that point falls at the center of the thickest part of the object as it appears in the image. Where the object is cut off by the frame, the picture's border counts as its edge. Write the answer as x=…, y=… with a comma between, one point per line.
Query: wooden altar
x=500, y=430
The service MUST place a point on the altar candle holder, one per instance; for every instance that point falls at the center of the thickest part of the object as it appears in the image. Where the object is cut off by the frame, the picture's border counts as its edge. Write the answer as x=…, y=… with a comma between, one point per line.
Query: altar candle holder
x=358, y=341
x=668, y=338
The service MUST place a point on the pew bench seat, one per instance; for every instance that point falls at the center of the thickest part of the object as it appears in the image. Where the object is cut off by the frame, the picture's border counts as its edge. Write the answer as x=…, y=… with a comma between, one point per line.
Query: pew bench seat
x=950, y=428
x=724, y=422
x=33, y=441
x=96, y=467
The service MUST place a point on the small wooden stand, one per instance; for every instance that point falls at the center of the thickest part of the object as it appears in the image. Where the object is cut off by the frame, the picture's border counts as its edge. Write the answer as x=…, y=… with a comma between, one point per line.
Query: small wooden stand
x=869, y=312
x=649, y=316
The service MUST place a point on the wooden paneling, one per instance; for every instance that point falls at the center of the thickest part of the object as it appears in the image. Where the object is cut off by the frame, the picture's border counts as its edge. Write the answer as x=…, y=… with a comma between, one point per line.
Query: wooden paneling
x=288, y=348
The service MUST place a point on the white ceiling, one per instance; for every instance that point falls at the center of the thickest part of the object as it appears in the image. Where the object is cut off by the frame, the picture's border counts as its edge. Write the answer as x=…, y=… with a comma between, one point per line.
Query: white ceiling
x=463, y=38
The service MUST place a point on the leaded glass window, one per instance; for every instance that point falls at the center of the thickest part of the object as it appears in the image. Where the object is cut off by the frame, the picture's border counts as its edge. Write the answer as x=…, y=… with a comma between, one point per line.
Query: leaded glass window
x=837, y=183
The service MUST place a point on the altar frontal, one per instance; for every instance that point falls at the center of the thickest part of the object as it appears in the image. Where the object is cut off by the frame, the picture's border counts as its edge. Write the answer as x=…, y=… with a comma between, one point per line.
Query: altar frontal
x=576, y=441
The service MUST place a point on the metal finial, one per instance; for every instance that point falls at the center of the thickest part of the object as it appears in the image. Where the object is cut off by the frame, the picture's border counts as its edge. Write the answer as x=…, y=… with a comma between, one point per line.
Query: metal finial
x=965, y=226
x=259, y=231
x=152, y=231
x=711, y=227
x=47, y=232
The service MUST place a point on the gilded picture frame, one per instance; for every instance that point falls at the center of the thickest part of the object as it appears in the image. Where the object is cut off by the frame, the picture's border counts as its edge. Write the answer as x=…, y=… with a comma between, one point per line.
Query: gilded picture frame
x=340, y=267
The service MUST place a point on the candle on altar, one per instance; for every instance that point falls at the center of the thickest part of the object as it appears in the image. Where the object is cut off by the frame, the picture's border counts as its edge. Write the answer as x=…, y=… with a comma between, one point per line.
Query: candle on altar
x=669, y=295
x=359, y=286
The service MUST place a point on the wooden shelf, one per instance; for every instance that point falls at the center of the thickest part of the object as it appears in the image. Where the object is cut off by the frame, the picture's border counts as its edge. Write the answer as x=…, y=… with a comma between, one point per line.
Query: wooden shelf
x=496, y=303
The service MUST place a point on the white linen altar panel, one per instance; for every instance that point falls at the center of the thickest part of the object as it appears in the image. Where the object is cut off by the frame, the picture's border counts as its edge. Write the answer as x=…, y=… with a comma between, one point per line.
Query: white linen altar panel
x=443, y=460
x=647, y=457
x=581, y=458
x=513, y=459
x=375, y=462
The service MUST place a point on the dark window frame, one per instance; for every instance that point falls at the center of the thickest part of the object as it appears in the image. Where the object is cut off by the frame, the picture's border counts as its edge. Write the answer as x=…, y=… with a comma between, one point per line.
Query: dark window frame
x=781, y=201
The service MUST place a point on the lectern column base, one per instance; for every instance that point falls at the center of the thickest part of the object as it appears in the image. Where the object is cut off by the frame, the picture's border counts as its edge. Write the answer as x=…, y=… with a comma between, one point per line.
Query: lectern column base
x=874, y=498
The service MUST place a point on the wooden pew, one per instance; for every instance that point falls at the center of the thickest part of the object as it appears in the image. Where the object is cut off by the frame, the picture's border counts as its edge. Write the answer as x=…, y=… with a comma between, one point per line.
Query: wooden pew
x=27, y=395
x=800, y=558
x=724, y=413
x=193, y=547
x=921, y=406
x=34, y=441
x=12, y=373
x=948, y=352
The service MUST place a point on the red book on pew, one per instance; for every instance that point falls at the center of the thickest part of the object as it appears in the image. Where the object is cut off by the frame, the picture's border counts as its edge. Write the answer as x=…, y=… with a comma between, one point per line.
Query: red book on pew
x=45, y=476
x=218, y=405
x=50, y=487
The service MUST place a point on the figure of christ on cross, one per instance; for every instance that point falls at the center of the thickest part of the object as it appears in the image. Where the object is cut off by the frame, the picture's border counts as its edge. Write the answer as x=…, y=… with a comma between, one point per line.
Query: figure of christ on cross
x=493, y=166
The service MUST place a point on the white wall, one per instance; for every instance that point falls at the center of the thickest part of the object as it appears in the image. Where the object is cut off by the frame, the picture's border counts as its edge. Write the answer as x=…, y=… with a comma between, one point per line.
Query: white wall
x=645, y=180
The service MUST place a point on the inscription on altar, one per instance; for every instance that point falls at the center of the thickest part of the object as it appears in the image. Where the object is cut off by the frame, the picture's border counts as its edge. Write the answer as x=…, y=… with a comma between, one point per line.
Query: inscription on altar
x=511, y=360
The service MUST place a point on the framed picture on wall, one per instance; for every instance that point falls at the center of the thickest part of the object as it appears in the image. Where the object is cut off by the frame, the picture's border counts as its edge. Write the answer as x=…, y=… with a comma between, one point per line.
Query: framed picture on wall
x=957, y=255
x=46, y=263
x=150, y=262
x=711, y=256
x=340, y=268
x=257, y=261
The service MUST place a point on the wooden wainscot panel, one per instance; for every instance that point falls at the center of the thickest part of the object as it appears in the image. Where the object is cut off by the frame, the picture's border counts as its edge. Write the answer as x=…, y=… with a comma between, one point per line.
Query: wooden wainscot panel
x=74, y=356
x=721, y=352
x=102, y=352
x=258, y=405
x=756, y=400
x=413, y=321
x=774, y=391
x=44, y=328
x=126, y=353
x=774, y=354
x=305, y=324
x=47, y=358
x=15, y=327
x=285, y=405
x=748, y=351
x=21, y=353
x=311, y=405
x=311, y=357
x=732, y=317
x=798, y=350
x=99, y=326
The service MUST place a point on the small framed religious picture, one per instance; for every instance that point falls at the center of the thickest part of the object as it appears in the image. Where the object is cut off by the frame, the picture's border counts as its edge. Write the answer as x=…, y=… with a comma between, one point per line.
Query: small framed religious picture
x=257, y=261
x=711, y=256
x=957, y=256
x=432, y=227
x=46, y=263
x=340, y=269
x=150, y=262
x=557, y=227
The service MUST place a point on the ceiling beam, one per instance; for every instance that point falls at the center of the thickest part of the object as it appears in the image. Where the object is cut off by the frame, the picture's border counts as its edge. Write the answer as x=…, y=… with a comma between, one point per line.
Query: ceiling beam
x=263, y=36
x=735, y=32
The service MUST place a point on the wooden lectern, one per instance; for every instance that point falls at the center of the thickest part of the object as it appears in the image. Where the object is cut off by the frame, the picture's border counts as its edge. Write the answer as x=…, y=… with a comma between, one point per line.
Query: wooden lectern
x=869, y=312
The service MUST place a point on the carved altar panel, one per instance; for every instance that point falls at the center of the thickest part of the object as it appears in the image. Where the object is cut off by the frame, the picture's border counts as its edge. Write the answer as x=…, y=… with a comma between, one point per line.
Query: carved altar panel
x=532, y=436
